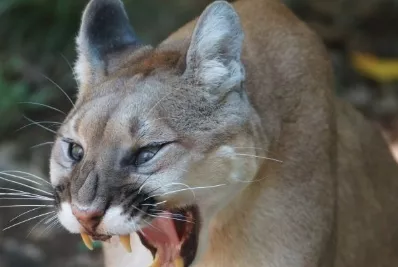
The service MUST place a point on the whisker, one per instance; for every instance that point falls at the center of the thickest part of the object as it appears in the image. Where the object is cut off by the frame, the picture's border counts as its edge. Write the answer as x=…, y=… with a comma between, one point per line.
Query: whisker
x=50, y=219
x=20, y=193
x=71, y=68
x=143, y=184
x=159, y=216
x=26, y=212
x=148, y=223
x=255, y=156
x=38, y=124
x=160, y=100
x=37, y=224
x=19, y=177
x=51, y=223
x=42, y=144
x=60, y=88
x=43, y=105
x=25, y=198
x=27, y=220
x=173, y=214
x=28, y=186
x=185, y=189
x=20, y=206
x=250, y=147
x=27, y=173
x=156, y=216
x=156, y=204
x=156, y=104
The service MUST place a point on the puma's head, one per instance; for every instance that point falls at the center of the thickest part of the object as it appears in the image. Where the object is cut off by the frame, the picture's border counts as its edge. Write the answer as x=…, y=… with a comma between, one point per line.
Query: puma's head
x=155, y=131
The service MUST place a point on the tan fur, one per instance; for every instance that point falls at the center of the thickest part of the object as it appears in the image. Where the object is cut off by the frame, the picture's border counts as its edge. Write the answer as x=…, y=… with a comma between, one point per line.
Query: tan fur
x=330, y=202
x=360, y=197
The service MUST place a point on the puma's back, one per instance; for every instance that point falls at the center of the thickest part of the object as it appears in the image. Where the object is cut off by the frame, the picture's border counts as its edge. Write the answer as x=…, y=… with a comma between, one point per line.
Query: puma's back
x=223, y=146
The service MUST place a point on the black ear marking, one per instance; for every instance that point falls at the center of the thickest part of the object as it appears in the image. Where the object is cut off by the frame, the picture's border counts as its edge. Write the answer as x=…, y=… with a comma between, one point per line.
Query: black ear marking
x=105, y=29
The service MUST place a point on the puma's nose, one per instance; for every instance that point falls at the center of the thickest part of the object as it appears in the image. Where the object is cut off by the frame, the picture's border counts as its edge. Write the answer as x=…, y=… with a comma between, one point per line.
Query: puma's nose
x=89, y=219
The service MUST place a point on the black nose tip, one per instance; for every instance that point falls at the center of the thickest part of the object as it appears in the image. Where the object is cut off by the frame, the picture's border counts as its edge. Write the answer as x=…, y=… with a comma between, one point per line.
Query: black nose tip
x=89, y=219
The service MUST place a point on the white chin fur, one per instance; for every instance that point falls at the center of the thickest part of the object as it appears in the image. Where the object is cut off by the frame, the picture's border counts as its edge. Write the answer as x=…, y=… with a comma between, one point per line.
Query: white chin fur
x=67, y=219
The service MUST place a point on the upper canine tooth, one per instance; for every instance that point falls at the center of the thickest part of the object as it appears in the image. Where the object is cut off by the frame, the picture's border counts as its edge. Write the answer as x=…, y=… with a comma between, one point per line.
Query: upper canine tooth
x=87, y=241
x=179, y=262
x=156, y=261
x=125, y=241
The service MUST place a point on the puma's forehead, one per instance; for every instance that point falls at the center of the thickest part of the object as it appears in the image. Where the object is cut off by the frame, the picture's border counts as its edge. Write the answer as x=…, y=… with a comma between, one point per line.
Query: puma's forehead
x=116, y=117
x=130, y=88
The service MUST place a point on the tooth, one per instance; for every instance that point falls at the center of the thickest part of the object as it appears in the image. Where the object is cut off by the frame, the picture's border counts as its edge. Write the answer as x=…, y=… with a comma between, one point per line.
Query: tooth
x=87, y=241
x=179, y=262
x=156, y=262
x=125, y=241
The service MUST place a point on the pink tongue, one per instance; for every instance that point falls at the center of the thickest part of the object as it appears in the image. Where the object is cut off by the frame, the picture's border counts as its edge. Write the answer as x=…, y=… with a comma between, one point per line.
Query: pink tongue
x=162, y=234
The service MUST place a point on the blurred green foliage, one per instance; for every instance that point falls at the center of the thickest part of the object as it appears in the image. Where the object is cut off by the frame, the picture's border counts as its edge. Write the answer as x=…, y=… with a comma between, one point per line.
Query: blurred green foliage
x=37, y=40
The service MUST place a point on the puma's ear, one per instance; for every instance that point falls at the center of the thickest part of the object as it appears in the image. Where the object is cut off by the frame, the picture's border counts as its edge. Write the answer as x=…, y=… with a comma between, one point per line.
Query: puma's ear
x=213, y=58
x=105, y=29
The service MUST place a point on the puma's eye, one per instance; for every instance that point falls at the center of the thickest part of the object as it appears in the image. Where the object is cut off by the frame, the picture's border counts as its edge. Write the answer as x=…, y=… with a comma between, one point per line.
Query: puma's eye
x=75, y=152
x=146, y=154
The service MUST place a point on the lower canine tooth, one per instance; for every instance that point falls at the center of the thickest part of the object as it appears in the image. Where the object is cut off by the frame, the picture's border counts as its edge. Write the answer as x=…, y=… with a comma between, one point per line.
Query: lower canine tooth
x=156, y=262
x=125, y=241
x=179, y=262
x=87, y=241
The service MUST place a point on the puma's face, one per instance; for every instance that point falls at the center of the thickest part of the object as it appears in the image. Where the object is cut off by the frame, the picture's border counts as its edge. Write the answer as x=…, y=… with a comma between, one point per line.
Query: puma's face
x=155, y=141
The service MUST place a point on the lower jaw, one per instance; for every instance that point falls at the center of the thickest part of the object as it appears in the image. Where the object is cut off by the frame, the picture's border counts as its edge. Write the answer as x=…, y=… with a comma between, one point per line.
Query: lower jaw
x=188, y=234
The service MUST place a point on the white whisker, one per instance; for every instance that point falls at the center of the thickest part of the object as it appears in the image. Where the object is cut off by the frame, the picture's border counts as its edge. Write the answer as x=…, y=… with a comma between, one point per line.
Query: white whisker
x=50, y=219
x=21, y=193
x=43, y=105
x=27, y=173
x=26, y=212
x=42, y=144
x=156, y=204
x=157, y=103
x=185, y=189
x=158, y=216
x=31, y=187
x=71, y=68
x=260, y=157
x=148, y=223
x=173, y=214
x=25, y=198
x=27, y=220
x=37, y=224
x=170, y=218
x=60, y=88
x=50, y=227
x=249, y=147
x=19, y=177
x=38, y=122
x=143, y=184
x=20, y=206
x=41, y=126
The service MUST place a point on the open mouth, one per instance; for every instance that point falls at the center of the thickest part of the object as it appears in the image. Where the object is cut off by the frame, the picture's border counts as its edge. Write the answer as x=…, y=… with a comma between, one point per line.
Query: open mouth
x=172, y=237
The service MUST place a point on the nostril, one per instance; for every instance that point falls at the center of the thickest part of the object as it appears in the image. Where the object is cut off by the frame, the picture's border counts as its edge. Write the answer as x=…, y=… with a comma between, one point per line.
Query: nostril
x=97, y=218
x=89, y=219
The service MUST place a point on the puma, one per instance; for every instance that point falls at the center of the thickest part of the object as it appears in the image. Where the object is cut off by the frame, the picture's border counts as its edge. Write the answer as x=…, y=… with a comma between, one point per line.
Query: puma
x=223, y=146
